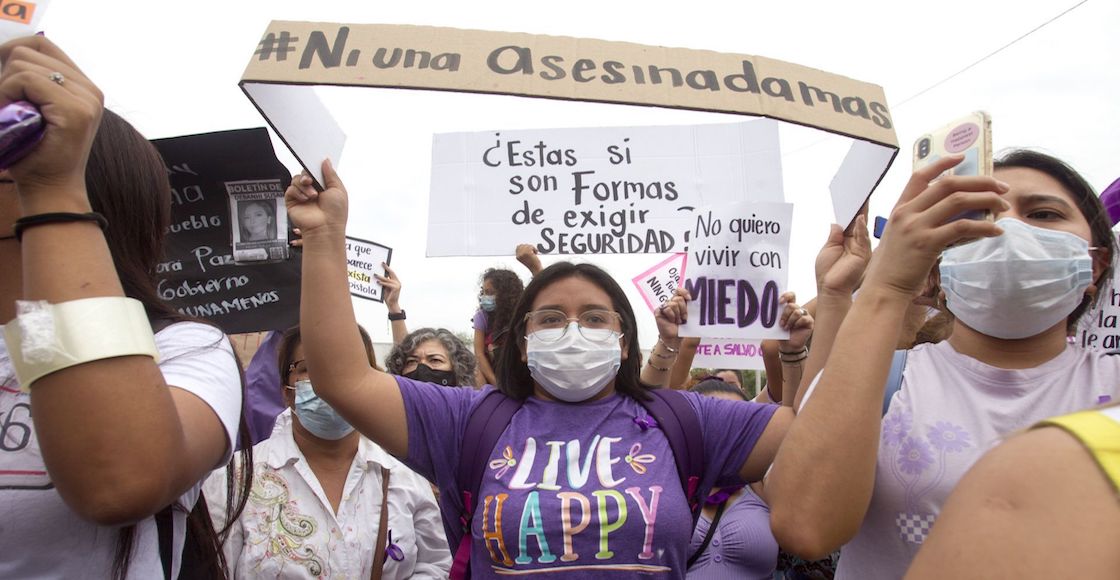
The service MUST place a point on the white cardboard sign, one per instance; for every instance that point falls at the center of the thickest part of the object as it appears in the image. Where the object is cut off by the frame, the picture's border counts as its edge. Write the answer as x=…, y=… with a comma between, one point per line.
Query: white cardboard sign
x=363, y=260
x=609, y=190
x=1100, y=327
x=738, y=267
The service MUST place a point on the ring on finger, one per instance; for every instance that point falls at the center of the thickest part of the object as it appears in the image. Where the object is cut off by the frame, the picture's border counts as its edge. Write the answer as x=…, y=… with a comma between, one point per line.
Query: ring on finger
x=57, y=78
x=802, y=311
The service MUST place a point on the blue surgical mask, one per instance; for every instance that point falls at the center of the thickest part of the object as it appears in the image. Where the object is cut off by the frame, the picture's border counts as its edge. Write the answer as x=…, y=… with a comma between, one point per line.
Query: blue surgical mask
x=317, y=416
x=488, y=302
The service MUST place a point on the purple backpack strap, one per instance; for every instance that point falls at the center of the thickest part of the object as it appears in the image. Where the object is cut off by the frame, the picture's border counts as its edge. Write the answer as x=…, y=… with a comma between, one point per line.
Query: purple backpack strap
x=678, y=421
x=486, y=424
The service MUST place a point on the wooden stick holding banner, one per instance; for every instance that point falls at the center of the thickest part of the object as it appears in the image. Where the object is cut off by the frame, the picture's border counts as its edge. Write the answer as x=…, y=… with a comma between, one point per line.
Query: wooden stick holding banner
x=737, y=269
x=657, y=284
x=363, y=261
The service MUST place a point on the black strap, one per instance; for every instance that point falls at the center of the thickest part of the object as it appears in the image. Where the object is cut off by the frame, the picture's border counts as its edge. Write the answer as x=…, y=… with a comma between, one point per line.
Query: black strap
x=708, y=536
x=165, y=527
x=57, y=218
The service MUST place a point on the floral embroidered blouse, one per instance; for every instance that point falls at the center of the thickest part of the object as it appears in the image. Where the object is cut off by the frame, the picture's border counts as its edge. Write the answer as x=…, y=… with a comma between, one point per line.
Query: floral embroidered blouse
x=288, y=528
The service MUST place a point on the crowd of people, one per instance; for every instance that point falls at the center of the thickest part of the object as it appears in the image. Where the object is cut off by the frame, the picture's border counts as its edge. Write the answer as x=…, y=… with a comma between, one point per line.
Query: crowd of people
x=928, y=415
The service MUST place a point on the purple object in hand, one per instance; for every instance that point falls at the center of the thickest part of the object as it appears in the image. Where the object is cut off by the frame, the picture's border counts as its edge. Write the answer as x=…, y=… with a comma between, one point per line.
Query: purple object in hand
x=21, y=129
x=1110, y=197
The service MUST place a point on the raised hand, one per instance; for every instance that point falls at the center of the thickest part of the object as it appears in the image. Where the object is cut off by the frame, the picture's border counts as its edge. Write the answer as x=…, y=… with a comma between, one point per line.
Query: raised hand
x=51, y=177
x=922, y=225
x=527, y=255
x=797, y=320
x=843, y=259
x=391, y=288
x=672, y=313
x=316, y=211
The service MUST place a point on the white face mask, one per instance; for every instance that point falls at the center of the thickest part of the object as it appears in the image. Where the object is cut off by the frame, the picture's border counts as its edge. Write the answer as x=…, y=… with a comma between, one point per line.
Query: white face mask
x=573, y=368
x=1018, y=284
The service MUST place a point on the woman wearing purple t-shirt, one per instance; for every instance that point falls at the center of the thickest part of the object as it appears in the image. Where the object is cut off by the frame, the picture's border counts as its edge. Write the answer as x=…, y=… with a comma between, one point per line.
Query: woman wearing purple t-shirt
x=850, y=473
x=579, y=482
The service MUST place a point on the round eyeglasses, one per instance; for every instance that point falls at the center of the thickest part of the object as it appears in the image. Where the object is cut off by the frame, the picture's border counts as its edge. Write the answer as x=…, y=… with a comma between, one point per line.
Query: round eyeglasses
x=596, y=325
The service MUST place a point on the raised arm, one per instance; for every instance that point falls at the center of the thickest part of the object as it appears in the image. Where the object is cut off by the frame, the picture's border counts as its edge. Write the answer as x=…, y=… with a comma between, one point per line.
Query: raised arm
x=336, y=359
x=660, y=364
x=391, y=285
x=822, y=479
x=793, y=351
x=116, y=450
x=527, y=255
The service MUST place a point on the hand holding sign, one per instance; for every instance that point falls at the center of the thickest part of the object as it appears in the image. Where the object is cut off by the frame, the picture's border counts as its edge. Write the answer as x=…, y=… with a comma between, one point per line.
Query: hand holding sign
x=797, y=321
x=671, y=314
x=315, y=211
x=390, y=287
x=843, y=259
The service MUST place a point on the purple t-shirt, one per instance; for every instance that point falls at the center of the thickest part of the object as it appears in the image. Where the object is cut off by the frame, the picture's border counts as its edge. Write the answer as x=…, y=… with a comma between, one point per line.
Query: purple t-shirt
x=480, y=322
x=742, y=545
x=577, y=487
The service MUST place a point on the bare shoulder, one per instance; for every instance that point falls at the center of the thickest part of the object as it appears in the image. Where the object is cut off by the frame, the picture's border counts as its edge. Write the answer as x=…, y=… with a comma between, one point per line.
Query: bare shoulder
x=1038, y=504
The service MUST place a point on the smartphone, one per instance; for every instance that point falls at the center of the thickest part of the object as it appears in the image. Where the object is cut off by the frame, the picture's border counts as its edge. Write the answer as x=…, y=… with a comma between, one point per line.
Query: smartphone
x=971, y=136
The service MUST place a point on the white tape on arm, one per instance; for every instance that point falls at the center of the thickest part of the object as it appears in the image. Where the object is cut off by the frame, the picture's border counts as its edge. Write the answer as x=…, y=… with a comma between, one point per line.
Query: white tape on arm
x=45, y=338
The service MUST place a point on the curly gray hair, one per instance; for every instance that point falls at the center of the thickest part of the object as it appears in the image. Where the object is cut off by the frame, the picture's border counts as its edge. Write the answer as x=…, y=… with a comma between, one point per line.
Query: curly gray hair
x=462, y=358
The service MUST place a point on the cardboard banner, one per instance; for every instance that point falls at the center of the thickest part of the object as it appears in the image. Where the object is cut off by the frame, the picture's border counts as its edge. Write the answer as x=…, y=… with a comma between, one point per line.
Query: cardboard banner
x=738, y=267
x=657, y=284
x=729, y=353
x=291, y=54
x=227, y=190
x=610, y=190
x=1099, y=328
x=363, y=260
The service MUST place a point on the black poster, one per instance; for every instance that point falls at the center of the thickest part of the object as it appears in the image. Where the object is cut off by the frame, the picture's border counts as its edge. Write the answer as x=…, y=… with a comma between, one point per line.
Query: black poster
x=228, y=259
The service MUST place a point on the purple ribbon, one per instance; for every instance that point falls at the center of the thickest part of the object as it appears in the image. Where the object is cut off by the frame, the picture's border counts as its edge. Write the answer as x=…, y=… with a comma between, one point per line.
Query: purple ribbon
x=645, y=422
x=722, y=495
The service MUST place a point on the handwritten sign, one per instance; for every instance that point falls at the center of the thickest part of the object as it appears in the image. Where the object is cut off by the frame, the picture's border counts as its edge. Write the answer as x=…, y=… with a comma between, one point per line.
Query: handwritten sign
x=737, y=269
x=1100, y=327
x=200, y=276
x=612, y=190
x=729, y=353
x=657, y=284
x=363, y=260
x=294, y=56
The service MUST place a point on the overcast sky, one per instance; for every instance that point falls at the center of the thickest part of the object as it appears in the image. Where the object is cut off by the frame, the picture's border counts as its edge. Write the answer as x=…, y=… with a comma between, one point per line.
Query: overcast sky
x=172, y=68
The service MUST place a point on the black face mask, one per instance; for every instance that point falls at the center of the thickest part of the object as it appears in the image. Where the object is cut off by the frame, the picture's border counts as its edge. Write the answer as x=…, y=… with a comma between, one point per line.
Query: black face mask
x=425, y=374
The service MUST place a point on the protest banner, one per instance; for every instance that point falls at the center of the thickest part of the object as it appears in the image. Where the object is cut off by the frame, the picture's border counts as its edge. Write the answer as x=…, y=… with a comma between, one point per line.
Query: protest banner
x=292, y=56
x=363, y=260
x=609, y=190
x=737, y=268
x=657, y=284
x=1099, y=328
x=200, y=275
x=729, y=353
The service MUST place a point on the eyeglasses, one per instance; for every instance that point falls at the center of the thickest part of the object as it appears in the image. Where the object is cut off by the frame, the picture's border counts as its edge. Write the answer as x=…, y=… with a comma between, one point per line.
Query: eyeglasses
x=595, y=325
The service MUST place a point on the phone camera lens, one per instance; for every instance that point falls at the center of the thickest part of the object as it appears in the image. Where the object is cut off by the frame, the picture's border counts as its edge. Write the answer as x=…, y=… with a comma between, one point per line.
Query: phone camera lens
x=923, y=148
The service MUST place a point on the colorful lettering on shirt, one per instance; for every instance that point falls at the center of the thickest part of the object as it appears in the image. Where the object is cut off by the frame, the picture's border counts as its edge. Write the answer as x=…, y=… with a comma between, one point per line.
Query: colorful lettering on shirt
x=535, y=528
x=566, y=498
x=525, y=466
x=605, y=526
x=577, y=476
x=604, y=461
x=495, y=535
x=649, y=514
x=552, y=468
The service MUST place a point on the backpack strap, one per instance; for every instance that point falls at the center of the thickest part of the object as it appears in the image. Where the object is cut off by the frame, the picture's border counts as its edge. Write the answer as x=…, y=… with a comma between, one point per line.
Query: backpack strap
x=894, y=378
x=678, y=421
x=485, y=425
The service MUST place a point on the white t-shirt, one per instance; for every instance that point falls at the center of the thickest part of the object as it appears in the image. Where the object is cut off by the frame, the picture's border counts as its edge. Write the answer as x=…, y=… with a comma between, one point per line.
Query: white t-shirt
x=41, y=536
x=950, y=410
x=289, y=530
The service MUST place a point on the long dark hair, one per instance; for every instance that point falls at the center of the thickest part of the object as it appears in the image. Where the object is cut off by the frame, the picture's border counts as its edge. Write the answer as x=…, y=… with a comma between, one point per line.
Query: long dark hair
x=513, y=375
x=1087, y=201
x=508, y=288
x=126, y=180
